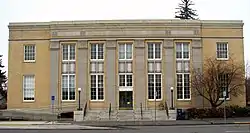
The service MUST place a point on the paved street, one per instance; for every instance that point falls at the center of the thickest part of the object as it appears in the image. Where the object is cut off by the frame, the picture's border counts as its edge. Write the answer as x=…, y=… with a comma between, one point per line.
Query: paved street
x=151, y=129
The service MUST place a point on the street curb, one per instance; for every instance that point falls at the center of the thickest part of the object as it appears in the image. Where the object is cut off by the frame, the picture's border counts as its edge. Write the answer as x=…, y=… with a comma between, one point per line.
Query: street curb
x=193, y=124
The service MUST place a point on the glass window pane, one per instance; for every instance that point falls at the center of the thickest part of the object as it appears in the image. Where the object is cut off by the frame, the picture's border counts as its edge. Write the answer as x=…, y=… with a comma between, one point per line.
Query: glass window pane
x=65, y=52
x=129, y=80
x=100, y=67
x=129, y=67
x=150, y=86
x=158, y=66
x=121, y=67
x=121, y=80
x=93, y=51
x=150, y=67
x=150, y=51
x=100, y=51
x=157, y=51
x=93, y=87
x=179, y=87
x=72, y=52
x=122, y=51
x=128, y=51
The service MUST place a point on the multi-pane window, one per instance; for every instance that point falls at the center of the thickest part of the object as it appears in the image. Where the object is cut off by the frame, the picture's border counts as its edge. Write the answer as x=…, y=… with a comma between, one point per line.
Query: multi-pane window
x=154, y=70
x=97, y=51
x=97, y=71
x=182, y=50
x=97, y=87
x=183, y=86
x=222, y=50
x=28, y=87
x=68, y=69
x=154, y=86
x=183, y=71
x=154, y=50
x=29, y=52
x=68, y=52
x=223, y=78
x=125, y=65
x=68, y=87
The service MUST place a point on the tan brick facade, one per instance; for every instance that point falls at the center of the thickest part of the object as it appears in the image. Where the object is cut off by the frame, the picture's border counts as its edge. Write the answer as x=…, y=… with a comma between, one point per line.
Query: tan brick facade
x=48, y=38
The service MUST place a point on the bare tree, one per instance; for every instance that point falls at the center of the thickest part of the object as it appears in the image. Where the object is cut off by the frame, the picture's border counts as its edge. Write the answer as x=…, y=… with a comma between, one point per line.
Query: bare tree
x=218, y=76
x=247, y=82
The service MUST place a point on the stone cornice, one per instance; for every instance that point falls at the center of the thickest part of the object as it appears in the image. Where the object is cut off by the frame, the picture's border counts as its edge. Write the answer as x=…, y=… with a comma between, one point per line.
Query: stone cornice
x=117, y=24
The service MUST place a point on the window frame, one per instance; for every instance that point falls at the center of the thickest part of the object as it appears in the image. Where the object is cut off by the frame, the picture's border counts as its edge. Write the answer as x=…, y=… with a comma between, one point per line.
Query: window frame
x=125, y=74
x=221, y=43
x=24, y=54
x=182, y=50
x=96, y=50
x=183, y=87
x=154, y=87
x=68, y=50
x=68, y=75
x=125, y=50
x=34, y=90
x=96, y=87
x=227, y=98
x=154, y=49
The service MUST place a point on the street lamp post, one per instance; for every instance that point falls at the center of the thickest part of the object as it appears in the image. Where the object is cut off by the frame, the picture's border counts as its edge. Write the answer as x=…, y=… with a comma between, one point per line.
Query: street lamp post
x=79, y=98
x=155, y=103
x=172, y=97
x=225, y=113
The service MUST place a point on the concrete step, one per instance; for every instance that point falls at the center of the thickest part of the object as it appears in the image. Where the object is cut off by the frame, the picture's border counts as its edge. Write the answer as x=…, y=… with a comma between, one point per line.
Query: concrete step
x=126, y=115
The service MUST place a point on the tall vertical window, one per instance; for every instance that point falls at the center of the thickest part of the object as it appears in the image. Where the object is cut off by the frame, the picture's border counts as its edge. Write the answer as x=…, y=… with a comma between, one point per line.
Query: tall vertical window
x=183, y=71
x=223, y=78
x=182, y=50
x=68, y=79
x=97, y=71
x=28, y=87
x=97, y=87
x=97, y=51
x=29, y=53
x=154, y=71
x=125, y=65
x=222, y=50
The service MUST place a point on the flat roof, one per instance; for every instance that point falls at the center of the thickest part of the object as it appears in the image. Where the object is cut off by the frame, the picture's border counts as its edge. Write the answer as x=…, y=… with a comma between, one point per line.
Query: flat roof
x=127, y=21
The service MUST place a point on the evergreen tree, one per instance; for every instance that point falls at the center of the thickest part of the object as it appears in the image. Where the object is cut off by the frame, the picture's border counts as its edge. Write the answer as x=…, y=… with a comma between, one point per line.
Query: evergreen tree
x=3, y=80
x=185, y=12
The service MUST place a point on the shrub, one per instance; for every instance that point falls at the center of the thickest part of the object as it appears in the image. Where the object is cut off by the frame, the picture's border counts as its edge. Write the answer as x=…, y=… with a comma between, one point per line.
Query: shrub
x=231, y=111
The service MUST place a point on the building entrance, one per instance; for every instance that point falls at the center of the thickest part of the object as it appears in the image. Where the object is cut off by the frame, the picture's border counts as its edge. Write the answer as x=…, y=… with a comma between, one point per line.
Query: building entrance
x=126, y=100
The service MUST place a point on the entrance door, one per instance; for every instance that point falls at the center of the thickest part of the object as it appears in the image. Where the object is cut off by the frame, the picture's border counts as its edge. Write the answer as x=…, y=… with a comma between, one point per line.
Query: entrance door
x=126, y=100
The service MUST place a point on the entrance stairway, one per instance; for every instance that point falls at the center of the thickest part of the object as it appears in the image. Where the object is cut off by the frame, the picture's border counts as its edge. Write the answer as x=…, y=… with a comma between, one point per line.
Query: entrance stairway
x=125, y=115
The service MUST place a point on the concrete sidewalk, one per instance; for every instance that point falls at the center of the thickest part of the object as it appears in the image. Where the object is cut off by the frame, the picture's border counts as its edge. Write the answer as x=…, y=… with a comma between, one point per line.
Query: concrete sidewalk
x=47, y=126
x=165, y=123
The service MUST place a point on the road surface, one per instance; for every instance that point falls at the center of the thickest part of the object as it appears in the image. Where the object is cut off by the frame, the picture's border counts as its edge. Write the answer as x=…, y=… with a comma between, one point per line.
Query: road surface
x=243, y=128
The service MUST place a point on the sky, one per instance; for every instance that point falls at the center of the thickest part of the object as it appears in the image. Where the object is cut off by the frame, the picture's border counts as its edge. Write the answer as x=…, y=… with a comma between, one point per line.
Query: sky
x=58, y=10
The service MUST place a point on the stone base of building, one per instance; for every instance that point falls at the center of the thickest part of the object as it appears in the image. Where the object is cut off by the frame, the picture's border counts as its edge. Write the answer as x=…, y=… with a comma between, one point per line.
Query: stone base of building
x=172, y=114
x=78, y=115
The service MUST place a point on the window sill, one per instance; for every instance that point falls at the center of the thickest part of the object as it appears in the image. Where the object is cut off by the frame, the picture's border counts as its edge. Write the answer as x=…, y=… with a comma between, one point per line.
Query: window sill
x=223, y=59
x=29, y=61
x=227, y=99
x=152, y=100
x=184, y=100
x=68, y=101
x=96, y=100
x=28, y=101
